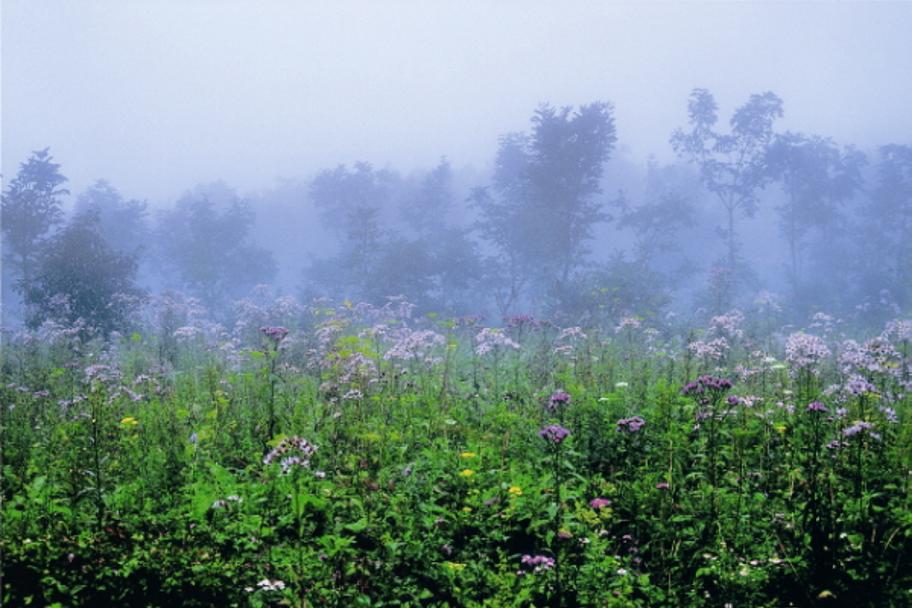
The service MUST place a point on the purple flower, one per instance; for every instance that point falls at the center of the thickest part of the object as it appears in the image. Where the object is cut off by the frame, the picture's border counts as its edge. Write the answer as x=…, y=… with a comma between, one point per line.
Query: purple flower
x=662, y=485
x=521, y=321
x=537, y=563
x=804, y=351
x=558, y=401
x=706, y=389
x=630, y=425
x=291, y=452
x=858, y=385
x=599, y=503
x=859, y=427
x=816, y=406
x=276, y=334
x=554, y=433
x=889, y=414
x=492, y=339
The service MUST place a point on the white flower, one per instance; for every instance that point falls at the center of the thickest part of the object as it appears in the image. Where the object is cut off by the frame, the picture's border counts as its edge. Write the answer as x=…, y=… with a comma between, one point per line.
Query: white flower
x=268, y=585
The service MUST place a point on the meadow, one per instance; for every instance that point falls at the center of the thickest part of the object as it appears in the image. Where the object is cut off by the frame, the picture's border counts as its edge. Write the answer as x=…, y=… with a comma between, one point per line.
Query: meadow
x=352, y=455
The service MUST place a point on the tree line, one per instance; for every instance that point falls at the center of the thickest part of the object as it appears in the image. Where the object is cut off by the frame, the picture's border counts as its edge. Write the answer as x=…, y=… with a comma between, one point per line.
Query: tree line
x=521, y=240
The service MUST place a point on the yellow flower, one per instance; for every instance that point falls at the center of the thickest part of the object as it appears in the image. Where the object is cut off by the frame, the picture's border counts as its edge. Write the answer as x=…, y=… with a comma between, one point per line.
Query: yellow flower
x=515, y=491
x=129, y=421
x=467, y=455
x=466, y=473
x=467, y=509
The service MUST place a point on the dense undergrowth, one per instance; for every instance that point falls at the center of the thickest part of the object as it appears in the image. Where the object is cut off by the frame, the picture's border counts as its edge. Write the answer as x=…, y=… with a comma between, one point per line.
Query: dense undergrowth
x=364, y=458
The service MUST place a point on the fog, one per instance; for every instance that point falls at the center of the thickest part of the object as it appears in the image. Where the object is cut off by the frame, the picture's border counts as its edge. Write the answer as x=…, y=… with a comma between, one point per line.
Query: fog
x=259, y=98
x=158, y=96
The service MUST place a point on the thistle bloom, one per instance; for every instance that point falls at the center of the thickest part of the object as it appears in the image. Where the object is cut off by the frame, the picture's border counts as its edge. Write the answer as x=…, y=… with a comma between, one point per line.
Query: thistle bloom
x=554, y=433
x=599, y=503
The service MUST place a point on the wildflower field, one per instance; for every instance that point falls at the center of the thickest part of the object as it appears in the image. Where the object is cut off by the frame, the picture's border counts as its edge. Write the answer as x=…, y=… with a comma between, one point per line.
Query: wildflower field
x=353, y=455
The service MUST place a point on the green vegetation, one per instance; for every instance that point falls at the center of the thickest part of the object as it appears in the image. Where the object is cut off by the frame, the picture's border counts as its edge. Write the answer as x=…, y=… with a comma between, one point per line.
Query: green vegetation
x=365, y=459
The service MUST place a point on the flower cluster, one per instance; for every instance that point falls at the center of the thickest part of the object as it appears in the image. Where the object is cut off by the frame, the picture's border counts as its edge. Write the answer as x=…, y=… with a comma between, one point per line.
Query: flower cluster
x=876, y=356
x=823, y=322
x=558, y=401
x=706, y=389
x=628, y=323
x=522, y=321
x=858, y=428
x=630, y=425
x=537, y=563
x=554, y=433
x=804, y=351
x=490, y=339
x=728, y=324
x=415, y=345
x=599, y=503
x=291, y=452
x=268, y=585
x=102, y=373
x=816, y=407
x=859, y=385
x=714, y=349
x=898, y=330
x=274, y=333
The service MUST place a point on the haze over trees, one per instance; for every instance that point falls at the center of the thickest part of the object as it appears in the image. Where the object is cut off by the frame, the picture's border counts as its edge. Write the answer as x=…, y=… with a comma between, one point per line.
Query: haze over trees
x=470, y=304
x=521, y=238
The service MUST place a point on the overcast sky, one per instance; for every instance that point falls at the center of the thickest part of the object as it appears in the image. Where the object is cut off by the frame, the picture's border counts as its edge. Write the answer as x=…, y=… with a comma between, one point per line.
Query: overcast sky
x=157, y=96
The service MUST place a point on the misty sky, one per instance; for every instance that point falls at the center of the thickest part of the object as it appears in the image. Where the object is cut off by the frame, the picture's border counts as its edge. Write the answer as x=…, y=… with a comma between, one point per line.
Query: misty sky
x=158, y=96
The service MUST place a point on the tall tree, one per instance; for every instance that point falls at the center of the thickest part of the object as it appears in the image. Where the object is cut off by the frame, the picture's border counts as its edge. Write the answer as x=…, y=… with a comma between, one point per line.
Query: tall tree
x=31, y=209
x=817, y=178
x=122, y=222
x=668, y=207
x=207, y=247
x=543, y=203
x=887, y=248
x=425, y=211
x=453, y=267
x=80, y=277
x=351, y=202
x=733, y=165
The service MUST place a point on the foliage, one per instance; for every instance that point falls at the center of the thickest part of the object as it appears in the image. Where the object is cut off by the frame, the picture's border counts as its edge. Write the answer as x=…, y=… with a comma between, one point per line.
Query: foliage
x=542, y=206
x=31, y=209
x=122, y=223
x=205, y=244
x=374, y=459
x=817, y=178
x=80, y=278
x=733, y=166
